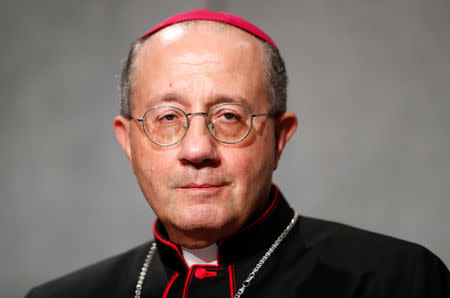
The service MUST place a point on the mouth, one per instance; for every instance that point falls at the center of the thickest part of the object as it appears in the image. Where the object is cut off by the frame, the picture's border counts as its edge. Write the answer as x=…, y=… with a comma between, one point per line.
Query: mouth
x=201, y=187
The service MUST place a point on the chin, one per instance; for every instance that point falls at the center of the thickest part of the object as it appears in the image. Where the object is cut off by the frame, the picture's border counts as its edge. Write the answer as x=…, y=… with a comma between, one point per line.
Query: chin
x=204, y=218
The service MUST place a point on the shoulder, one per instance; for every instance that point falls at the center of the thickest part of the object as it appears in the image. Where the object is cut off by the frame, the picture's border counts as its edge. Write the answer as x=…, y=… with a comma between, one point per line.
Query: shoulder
x=353, y=261
x=355, y=249
x=97, y=280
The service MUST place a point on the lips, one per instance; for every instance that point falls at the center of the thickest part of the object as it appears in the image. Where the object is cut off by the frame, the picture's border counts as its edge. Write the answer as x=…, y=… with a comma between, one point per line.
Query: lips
x=200, y=186
x=203, y=180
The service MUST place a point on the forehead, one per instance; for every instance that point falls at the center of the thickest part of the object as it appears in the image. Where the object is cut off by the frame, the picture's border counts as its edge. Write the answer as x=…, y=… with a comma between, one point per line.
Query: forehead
x=217, y=33
x=203, y=58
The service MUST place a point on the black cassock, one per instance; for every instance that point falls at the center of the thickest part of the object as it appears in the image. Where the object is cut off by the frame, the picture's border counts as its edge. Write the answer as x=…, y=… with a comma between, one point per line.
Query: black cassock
x=316, y=259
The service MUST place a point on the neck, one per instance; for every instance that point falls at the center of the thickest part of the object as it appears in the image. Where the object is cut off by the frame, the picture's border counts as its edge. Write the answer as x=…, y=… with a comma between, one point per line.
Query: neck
x=198, y=238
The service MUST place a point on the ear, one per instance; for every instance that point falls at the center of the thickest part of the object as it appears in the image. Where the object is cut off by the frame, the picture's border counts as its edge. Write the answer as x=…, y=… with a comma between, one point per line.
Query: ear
x=285, y=127
x=122, y=130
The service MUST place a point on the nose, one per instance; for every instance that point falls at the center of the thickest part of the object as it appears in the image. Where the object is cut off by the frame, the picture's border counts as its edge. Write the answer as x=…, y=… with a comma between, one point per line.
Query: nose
x=198, y=148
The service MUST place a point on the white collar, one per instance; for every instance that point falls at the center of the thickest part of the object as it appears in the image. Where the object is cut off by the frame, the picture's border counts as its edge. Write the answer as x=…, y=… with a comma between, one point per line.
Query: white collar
x=201, y=256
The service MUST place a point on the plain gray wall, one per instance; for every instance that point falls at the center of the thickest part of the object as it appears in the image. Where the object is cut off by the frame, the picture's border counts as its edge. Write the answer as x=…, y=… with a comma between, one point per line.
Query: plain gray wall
x=368, y=79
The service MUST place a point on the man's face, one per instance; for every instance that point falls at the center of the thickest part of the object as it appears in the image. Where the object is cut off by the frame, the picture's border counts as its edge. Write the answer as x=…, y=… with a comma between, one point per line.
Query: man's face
x=202, y=190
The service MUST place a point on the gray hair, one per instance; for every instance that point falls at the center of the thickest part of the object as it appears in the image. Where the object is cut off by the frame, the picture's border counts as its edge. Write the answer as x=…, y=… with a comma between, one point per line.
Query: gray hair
x=275, y=79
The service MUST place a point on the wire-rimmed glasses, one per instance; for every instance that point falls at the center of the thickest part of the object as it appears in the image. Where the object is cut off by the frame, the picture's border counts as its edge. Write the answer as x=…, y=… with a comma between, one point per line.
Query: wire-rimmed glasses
x=228, y=123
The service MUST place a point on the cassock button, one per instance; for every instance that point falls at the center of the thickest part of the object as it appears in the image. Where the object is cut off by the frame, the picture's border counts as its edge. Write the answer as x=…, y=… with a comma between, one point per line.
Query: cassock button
x=200, y=273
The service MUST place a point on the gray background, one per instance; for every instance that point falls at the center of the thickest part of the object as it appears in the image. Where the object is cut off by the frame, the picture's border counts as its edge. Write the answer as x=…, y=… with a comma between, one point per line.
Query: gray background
x=368, y=79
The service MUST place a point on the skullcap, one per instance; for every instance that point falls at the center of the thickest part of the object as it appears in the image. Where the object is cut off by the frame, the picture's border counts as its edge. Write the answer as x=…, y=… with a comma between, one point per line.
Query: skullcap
x=207, y=15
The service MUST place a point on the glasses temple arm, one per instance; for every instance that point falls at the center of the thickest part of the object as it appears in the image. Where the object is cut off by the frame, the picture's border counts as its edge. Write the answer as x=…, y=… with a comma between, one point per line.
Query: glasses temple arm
x=258, y=115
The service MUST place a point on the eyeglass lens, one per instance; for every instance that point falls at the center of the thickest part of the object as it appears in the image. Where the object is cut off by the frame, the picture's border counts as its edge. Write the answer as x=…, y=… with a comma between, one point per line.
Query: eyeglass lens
x=167, y=125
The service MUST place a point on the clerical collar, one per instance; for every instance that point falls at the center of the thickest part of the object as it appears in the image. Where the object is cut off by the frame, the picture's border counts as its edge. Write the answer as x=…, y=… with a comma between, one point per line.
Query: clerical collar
x=202, y=256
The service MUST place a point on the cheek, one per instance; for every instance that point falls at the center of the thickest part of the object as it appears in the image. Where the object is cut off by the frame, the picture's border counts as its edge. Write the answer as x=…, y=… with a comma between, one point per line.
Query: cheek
x=156, y=167
x=150, y=165
x=238, y=162
x=154, y=171
x=249, y=164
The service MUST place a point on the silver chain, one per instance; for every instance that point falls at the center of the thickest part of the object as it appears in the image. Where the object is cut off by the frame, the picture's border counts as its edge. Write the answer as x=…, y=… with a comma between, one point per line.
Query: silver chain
x=148, y=259
x=247, y=281
x=264, y=258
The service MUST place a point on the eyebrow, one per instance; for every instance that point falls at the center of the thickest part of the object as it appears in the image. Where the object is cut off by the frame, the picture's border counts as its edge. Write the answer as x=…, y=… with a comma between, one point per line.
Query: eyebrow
x=164, y=97
x=225, y=99
x=172, y=97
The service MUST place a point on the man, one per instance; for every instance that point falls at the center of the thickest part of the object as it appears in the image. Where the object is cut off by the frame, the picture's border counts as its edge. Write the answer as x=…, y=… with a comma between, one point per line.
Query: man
x=203, y=123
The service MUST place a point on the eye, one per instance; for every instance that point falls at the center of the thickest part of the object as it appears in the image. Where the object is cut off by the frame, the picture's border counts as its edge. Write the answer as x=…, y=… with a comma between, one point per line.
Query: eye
x=169, y=116
x=230, y=116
